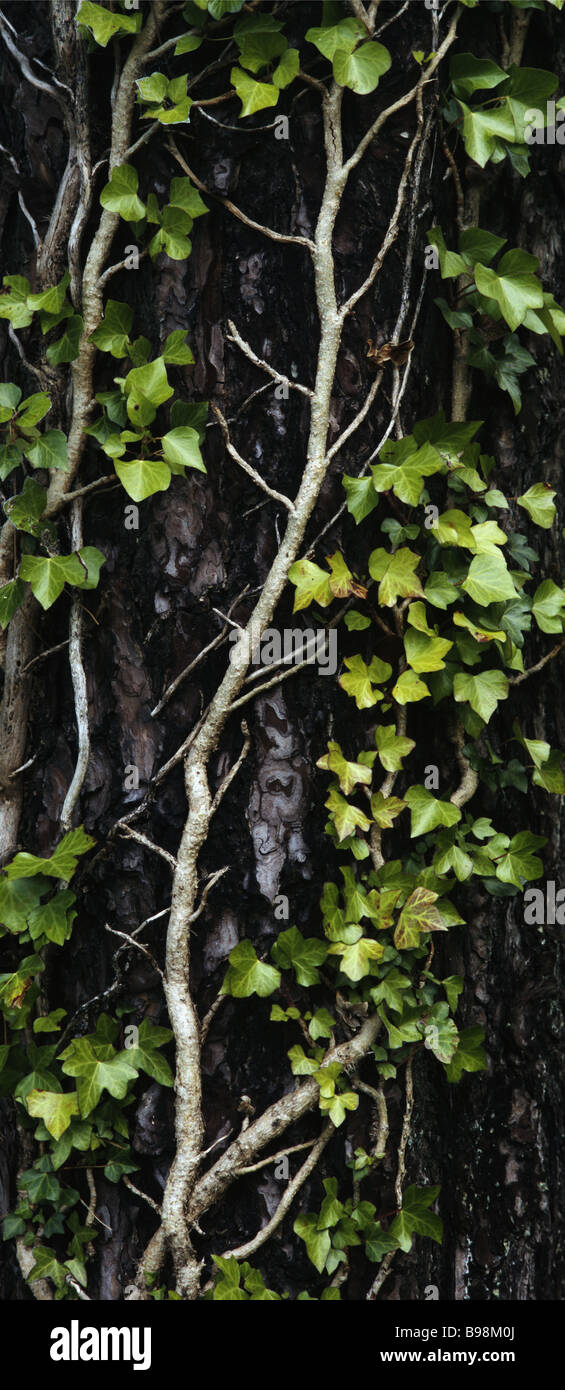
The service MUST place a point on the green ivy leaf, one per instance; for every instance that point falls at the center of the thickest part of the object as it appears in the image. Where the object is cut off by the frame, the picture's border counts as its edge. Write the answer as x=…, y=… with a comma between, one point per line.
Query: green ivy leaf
x=172, y=237
x=483, y=691
x=292, y=951
x=12, y=595
x=105, y=24
x=55, y=1110
x=409, y=688
x=49, y=451
x=361, y=496
x=547, y=606
x=247, y=975
x=61, y=864
x=14, y=301
x=347, y=773
x=331, y=39
x=428, y=811
x=518, y=863
x=346, y=818
x=392, y=747
x=418, y=915
x=357, y=957
x=396, y=574
x=538, y=503
x=141, y=478
x=66, y=349
x=415, y=1218
x=489, y=579
x=183, y=194
x=253, y=95
x=176, y=349
x=54, y=919
x=361, y=678
x=312, y=585
x=362, y=70
x=146, y=1056
x=469, y=74
x=112, y=335
x=513, y=286
x=318, y=1243
x=469, y=1055
x=97, y=1068
x=181, y=448
x=120, y=194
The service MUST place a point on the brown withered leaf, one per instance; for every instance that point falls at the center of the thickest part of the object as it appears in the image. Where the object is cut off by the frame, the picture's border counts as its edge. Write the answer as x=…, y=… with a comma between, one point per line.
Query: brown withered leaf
x=397, y=353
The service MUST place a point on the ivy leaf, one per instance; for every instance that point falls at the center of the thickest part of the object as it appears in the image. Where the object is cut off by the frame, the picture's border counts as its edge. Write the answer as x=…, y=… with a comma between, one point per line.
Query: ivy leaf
x=396, y=574
x=547, y=606
x=104, y=24
x=141, y=478
x=259, y=41
x=49, y=576
x=287, y=69
x=32, y=410
x=392, y=747
x=362, y=70
x=253, y=95
x=181, y=448
x=415, y=1218
x=359, y=681
x=292, y=951
x=439, y=590
x=409, y=688
x=53, y=919
x=518, y=862
x=145, y=1056
x=406, y=478
x=356, y=958
x=318, y=1243
x=176, y=349
x=112, y=335
x=469, y=74
x=483, y=691
x=51, y=301
x=172, y=236
x=97, y=1068
x=483, y=129
x=51, y=1022
x=346, y=818
x=513, y=286
x=49, y=451
x=12, y=595
x=469, y=1055
x=360, y=493
x=538, y=503
x=66, y=349
x=489, y=579
x=26, y=508
x=61, y=864
x=419, y=914
x=425, y=653
x=120, y=194
x=440, y=1034
x=348, y=773
x=450, y=263
x=14, y=301
x=46, y=1263
x=56, y=1110
x=146, y=388
x=336, y=37
x=385, y=809
x=247, y=975
x=428, y=811
x=312, y=585
x=183, y=194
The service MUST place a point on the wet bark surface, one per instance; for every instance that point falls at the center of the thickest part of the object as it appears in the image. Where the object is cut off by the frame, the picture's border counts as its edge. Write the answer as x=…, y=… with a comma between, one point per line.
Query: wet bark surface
x=495, y=1141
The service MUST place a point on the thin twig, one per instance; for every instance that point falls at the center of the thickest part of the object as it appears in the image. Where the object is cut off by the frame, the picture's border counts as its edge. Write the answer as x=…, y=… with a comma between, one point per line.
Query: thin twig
x=235, y=337
x=233, y=770
x=138, y=947
x=242, y=1252
x=78, y=677
x=149, y=844
x=226, y=202
x=247, y=468
x=143, y=1195
x=532, y=670
x=213, y=879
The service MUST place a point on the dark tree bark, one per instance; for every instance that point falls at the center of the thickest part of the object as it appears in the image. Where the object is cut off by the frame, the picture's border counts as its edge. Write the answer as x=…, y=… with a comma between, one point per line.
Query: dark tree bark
x=495, y=1141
